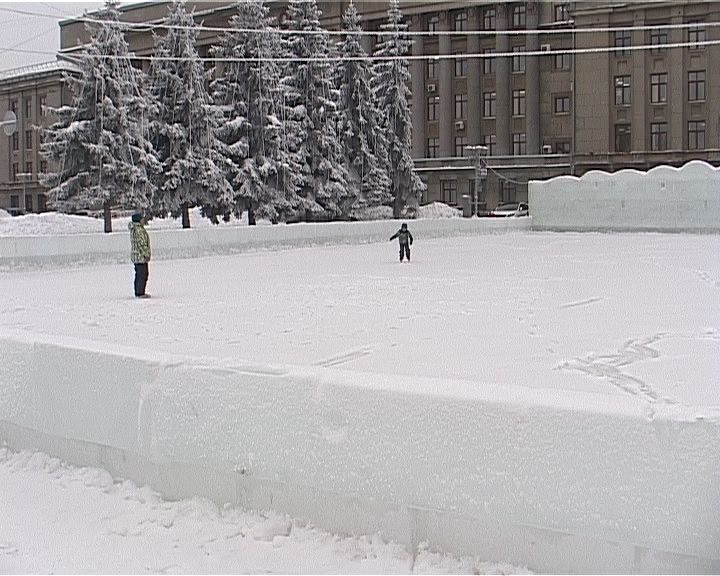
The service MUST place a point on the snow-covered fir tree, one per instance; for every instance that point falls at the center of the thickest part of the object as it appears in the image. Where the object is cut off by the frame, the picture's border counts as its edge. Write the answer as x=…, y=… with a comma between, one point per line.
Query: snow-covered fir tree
x=391, y=85
x=360, y=118
x=251, y=137
x=97, y=148
x=311, y=123
x=184, y=124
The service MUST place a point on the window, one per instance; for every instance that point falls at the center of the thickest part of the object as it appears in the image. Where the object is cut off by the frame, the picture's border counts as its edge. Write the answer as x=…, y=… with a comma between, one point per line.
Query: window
x=28, y=139
x=460, y=105
x=43, y=167
x=622, y=90
x=696, y=135
x=461, y=143
x=562, y=147
x=432, y=111
x=623, y=39
x=460, y=66
x=433, y=23
x=696, y=34
x=518, y=62
x=622, y=137
x=696, y=85
x=489, y=104
x=42, y=202
x=489, y=19
x=658, y=136
x=14, y=107
x=489, y=140
x=518, y=102
x=561, y=61
x=460, y=21
x=433, y=145
x=29, y=167
x=28, y=107
x=518, y=16
x=562, y=105
x=658, y=38
x=15, y=141
x=561, y=13
x=488, y=62
x=519, y=144
x=43, y=105
x=448, y=191
x=15, y=171
x=432, y=68
x=658, y=88
x=28, y=202
x=14, y=201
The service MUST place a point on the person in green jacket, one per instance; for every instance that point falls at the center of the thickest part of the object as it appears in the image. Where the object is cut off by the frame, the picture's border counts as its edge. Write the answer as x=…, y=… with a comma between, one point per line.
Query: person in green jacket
x=139, y=253
x=405, y=238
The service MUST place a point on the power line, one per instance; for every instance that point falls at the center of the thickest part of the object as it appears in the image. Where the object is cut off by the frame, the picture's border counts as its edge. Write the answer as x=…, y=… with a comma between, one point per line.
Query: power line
x=408, y=57
x=146, y=26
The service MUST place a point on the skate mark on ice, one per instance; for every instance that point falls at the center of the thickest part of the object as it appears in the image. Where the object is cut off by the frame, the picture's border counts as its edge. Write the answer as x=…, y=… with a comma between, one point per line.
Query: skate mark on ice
x=344, y=357
x=705, y=276
x=610, y=366
x=580, y=302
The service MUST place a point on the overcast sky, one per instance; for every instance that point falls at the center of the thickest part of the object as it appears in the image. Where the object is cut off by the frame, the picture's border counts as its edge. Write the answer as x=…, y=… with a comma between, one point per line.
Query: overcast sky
x=37, y=31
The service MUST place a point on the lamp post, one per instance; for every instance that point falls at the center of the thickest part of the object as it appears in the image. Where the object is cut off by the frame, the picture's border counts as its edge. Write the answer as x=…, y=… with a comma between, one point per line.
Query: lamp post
x=24, y=177
x=9, y=123
x=480, y=173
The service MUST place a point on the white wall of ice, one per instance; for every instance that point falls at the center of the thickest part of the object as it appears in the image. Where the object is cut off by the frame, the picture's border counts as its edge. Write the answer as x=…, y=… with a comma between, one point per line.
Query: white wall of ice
x=663, y=199
x=561, y=481
x=178, y=243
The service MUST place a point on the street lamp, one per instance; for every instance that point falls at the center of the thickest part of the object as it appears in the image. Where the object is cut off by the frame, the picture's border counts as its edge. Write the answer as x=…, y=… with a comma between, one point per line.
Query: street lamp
x=9, y=123
x=24, y=177
x=480, y=172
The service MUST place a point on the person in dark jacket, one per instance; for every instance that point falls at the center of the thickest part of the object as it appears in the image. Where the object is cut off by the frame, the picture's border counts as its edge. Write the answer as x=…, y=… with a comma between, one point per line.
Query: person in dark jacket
x=405, y=238
x=139, y=253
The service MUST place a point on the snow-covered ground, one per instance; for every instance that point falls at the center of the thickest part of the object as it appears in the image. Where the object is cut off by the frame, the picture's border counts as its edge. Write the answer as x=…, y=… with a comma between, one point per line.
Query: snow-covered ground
x=54, y=224
x=62, y=519
x=632, y=317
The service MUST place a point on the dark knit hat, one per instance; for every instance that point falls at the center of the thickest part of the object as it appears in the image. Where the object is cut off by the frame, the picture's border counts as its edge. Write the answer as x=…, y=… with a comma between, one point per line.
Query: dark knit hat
x=137, y=217
x=404, y=226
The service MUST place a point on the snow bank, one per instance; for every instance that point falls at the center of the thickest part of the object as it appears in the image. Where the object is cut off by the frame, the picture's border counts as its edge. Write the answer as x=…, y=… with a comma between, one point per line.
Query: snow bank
x=664, y=199
x=503, y=472
x=167, y=243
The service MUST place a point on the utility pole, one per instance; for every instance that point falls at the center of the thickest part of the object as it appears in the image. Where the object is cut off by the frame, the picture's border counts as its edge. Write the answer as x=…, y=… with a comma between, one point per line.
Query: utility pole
x=480, y=174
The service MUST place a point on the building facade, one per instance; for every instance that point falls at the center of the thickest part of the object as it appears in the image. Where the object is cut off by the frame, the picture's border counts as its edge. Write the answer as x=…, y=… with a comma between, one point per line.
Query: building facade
x=580, y=86
x=27, y=92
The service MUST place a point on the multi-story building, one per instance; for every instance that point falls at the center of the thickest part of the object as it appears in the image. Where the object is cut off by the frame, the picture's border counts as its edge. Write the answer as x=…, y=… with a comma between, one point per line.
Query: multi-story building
x=27, y=92
x=579, y=85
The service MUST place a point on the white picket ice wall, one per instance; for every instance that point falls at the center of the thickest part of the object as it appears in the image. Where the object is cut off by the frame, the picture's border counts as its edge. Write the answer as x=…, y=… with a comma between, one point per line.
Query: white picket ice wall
x=28, y=251
x=501, y=472
x=664, y=199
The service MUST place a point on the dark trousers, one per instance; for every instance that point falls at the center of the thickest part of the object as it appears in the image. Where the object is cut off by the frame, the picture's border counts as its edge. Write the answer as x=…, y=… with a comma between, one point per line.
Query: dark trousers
x=404, y=250
x=141, y=277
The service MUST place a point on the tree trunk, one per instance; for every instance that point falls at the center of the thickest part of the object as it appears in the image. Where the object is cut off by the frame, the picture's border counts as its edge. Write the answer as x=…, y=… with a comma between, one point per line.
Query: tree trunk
x=251, y=214
x=107, y=216
x=185, y=215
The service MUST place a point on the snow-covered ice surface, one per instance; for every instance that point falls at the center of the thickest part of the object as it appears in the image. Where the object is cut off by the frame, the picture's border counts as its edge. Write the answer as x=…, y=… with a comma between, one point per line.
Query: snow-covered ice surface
x=62, y=519
x=635, y=315
x=631, y=317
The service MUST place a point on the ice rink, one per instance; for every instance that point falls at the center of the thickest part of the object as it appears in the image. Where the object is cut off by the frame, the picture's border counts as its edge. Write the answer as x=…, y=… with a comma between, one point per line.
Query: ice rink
x=636, y=315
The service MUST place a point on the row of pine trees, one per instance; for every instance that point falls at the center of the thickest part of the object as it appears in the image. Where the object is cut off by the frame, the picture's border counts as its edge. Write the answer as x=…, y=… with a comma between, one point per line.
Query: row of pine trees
x=287, y=124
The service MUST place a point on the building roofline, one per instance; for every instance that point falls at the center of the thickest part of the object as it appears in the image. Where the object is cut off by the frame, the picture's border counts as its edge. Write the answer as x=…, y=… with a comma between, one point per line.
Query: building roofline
x=36, y=69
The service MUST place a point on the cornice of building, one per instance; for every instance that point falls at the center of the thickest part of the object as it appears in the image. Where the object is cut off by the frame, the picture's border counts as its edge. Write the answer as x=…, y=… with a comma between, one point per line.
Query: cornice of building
x=36, y=71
